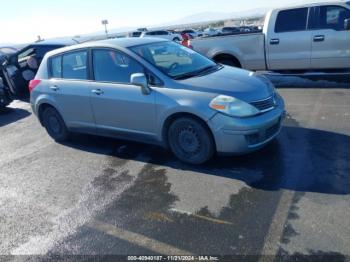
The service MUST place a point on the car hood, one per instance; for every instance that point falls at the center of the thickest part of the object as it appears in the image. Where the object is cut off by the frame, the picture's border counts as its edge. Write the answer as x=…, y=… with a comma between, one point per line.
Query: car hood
x=231, y=81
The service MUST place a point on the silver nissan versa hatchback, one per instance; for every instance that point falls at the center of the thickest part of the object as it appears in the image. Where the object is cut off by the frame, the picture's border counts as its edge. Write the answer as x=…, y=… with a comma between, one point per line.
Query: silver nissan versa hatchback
x=155, y=91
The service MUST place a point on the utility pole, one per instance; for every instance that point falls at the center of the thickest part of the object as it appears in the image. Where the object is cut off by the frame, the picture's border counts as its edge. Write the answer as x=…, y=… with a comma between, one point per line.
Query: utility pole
x=105, y=23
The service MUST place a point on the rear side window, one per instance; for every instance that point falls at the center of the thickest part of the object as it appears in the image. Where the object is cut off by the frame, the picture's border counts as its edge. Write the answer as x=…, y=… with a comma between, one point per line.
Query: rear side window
x=114, y=66
x=56, y=67
x=74, y=65
x=291, y=20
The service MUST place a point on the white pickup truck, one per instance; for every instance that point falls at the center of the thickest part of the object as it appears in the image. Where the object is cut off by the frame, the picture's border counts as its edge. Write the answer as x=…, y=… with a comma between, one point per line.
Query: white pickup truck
x=308, y=37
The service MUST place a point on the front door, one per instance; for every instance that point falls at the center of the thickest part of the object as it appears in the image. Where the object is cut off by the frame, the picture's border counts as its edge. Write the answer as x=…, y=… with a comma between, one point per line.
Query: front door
x=120, y=108
x=331, y=42
x=289, y=42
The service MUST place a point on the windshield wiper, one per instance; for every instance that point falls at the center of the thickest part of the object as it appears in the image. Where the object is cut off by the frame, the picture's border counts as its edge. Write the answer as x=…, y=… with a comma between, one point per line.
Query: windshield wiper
x=197, y=72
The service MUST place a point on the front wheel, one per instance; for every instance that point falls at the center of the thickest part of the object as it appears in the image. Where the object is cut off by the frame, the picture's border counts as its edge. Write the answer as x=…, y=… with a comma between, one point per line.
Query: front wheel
x=4, y=102
x=55, y=125
x=191, y=141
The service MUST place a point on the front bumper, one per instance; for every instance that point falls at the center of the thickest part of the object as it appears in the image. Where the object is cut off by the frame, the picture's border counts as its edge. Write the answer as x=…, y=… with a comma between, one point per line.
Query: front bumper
x=235, y=136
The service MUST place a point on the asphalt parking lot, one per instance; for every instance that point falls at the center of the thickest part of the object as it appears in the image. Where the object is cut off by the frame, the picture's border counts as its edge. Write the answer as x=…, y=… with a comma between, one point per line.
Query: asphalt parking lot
x=99, y=196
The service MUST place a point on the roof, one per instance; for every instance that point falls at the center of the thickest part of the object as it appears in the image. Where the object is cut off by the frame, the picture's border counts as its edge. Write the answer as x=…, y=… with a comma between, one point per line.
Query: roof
x=65, y=42
x=320, y=3
x=119, y=42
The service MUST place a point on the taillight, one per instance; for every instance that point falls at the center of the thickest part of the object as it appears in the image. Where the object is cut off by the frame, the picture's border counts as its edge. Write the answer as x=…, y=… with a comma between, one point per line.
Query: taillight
x=33, y=84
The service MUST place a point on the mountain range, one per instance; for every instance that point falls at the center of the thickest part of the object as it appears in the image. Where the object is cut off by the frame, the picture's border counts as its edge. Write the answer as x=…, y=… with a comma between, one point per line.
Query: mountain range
x=215, y=16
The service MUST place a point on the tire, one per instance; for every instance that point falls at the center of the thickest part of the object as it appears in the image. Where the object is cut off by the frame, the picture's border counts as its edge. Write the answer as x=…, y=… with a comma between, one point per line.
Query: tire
x=190, y=141
x=4, y=102
x=55, y=125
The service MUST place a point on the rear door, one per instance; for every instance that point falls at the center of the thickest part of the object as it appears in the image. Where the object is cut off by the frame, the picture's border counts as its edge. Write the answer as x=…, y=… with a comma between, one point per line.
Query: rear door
x=70, y=88
x=331, y=42
x=289, y=41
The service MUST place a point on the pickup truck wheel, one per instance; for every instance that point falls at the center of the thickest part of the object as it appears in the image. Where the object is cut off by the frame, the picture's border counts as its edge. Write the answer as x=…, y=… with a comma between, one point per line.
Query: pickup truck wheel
x=55, y=125
x=190, y=141
x=228, y=61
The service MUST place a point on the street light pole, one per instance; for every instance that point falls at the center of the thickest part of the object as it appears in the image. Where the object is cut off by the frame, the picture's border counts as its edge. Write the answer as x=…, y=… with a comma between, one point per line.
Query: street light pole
x=105, y=23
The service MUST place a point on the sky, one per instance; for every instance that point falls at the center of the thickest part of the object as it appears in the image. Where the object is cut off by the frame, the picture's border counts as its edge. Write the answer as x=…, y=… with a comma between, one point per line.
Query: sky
x=22, y=21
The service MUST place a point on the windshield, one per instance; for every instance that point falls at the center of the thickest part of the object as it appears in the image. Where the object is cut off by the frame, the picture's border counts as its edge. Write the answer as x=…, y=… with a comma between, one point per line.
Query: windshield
x=175, y=60
x=7, y=50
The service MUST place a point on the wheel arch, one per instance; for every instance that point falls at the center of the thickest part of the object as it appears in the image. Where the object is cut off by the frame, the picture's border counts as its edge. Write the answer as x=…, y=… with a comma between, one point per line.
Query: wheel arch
x=221, y=56
x=41, y=109
x=171, y=118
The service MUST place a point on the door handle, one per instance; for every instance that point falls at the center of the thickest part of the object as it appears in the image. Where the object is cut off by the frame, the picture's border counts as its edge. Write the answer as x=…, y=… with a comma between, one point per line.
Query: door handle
x=97, y=91
x=274, y=41
x=54, y=88
x=319, y=38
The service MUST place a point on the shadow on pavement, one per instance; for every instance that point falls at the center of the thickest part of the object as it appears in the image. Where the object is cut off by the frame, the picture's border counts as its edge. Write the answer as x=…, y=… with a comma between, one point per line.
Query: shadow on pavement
x=310, y=81
x=10, y=115
x=301, y=159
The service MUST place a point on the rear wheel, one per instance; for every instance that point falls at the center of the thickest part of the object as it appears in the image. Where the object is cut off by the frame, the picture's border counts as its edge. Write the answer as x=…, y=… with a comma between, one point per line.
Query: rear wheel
x=55, y=125
x=228, y=61
x=190, y=140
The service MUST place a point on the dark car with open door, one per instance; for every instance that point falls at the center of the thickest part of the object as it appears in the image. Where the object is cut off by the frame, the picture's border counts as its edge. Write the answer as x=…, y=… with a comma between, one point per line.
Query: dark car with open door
x=17, y=68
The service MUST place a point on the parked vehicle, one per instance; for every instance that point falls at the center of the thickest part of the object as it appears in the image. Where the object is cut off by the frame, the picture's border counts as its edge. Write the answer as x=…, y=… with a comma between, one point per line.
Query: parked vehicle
x=138, y=32
x=17, y=68
x=155, y=91
x=306, y=37
x=142, y=29
x=211, y=32
x=163, y=34
x=135, y=34
x=245, y=29
x=193, y=33
x=5, y=95
x=230, y=30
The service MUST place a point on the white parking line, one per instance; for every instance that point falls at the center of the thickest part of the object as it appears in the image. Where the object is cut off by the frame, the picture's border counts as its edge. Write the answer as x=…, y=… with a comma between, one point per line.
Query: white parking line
x=210, y=219
x=137, y=239
x=272, y=240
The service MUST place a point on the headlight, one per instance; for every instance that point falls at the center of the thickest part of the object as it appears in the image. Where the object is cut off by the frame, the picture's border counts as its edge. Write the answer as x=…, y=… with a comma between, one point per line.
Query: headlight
x=233, y=106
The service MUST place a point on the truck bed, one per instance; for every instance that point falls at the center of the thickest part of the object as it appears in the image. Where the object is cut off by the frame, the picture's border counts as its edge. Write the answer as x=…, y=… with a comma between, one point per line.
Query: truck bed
x=247, y=48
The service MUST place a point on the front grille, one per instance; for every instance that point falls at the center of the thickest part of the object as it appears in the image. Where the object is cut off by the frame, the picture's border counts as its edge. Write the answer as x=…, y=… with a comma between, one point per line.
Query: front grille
x=264, y=105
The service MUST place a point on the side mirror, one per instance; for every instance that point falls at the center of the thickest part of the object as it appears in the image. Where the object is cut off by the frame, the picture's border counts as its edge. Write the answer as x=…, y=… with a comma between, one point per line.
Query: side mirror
x=140, y=80
x=347, y=24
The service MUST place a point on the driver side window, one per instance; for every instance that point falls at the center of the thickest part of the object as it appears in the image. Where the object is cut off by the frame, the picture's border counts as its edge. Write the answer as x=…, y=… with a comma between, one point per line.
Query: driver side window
x=114, y=66
x=25, y=54
x=332, y=17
